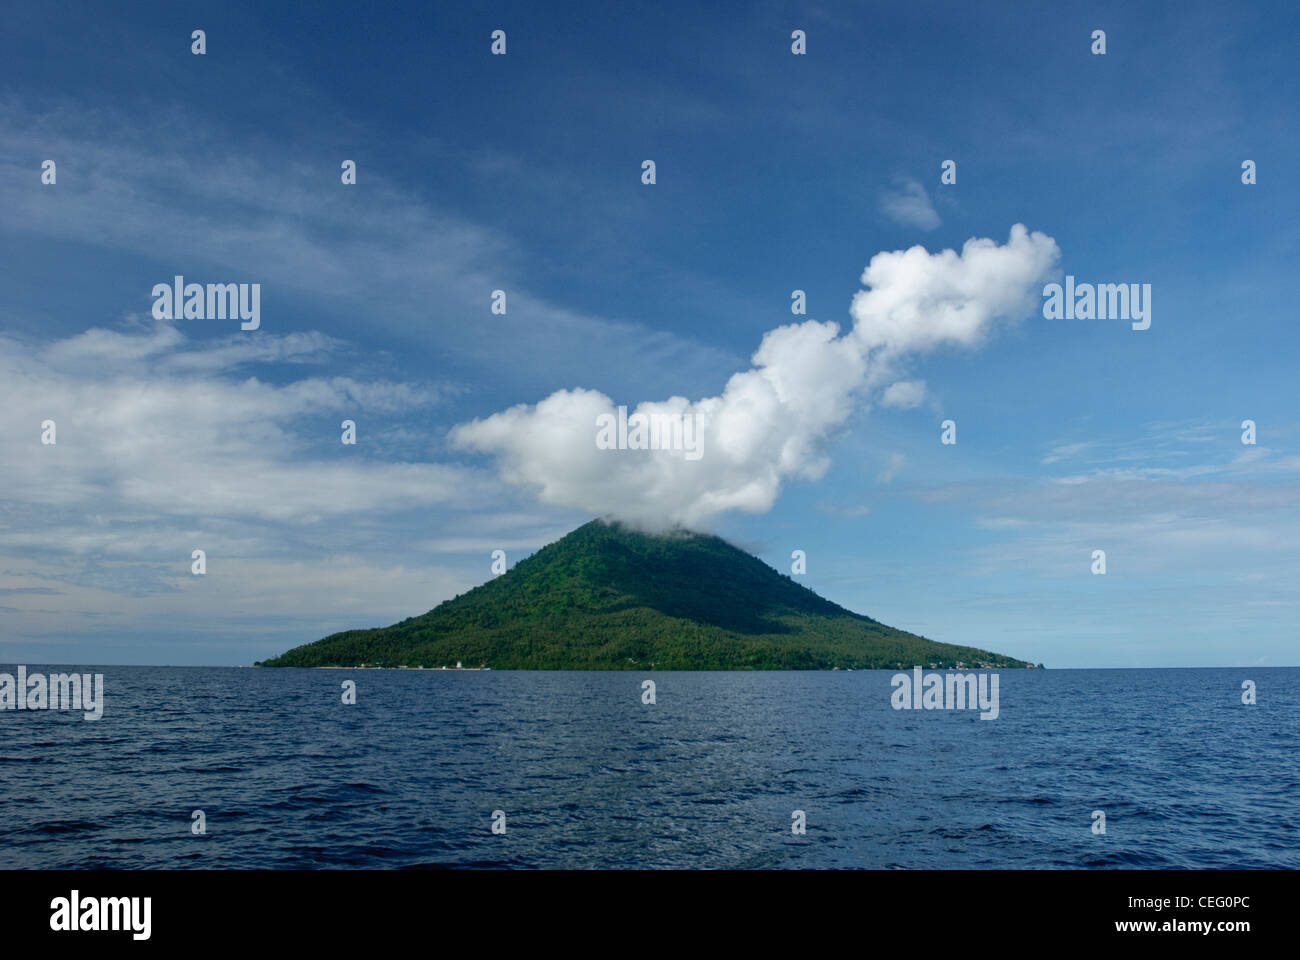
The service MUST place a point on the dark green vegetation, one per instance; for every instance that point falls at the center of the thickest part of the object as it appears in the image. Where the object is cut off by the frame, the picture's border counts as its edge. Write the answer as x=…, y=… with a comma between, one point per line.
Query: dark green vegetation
x=608, y=598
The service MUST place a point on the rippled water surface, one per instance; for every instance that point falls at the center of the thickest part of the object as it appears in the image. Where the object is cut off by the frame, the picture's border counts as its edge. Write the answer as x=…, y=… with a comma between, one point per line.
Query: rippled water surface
x=589, y=776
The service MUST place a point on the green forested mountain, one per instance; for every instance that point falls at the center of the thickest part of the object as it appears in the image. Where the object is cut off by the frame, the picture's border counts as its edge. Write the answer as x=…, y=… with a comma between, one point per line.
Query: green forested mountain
x=609, y=598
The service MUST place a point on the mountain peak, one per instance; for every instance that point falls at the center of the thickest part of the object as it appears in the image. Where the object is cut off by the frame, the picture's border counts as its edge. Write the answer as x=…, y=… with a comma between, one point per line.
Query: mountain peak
x=610, y=596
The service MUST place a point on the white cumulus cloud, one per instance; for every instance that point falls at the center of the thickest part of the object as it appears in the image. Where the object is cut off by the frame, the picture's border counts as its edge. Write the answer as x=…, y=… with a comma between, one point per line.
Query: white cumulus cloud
x=772, y=422
x=150, y=422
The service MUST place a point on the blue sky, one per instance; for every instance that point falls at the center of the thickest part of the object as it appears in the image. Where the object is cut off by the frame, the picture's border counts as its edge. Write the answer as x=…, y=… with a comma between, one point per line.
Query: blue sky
x=522, y=172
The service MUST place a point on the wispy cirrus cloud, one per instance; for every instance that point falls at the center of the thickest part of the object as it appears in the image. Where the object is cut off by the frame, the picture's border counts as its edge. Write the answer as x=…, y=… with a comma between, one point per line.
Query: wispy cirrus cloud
x=908, y=204
x=422, y=275
x=905, y=394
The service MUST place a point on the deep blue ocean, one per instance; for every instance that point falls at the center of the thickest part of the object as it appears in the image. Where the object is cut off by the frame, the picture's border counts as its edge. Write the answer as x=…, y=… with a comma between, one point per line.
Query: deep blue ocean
x=409, y=776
